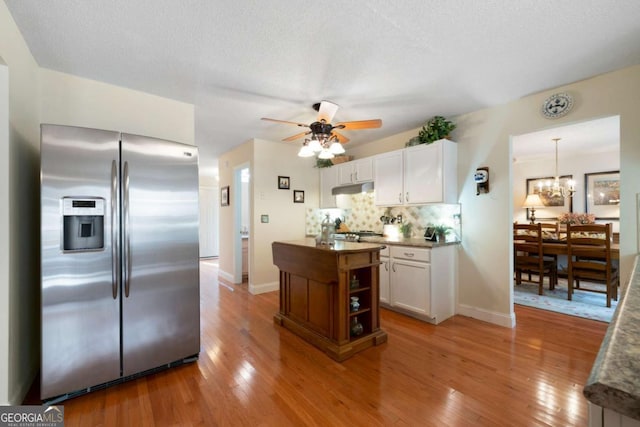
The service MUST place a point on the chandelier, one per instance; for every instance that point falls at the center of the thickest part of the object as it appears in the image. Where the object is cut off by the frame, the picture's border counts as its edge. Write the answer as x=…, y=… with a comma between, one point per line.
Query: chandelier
x=555, y=188
x=321, y=141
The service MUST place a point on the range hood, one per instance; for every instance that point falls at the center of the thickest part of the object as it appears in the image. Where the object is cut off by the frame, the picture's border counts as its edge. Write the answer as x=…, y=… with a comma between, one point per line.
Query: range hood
x=363, y=187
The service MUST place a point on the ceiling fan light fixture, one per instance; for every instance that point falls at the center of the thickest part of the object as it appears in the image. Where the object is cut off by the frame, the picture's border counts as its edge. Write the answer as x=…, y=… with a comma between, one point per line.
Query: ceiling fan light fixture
x=314, y=145
x=305, y=151
x=336, y=148
x=325, y=154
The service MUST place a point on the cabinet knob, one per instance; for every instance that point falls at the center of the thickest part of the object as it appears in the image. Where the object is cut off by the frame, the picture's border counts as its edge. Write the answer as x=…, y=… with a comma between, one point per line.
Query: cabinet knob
x=400, y=197
x=409, y=254
x=407, y=197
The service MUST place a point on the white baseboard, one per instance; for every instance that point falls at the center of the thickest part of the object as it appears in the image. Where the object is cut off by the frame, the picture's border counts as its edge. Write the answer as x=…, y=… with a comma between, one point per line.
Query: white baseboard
x=501, y=319
x=225, y=276
x=263, y=288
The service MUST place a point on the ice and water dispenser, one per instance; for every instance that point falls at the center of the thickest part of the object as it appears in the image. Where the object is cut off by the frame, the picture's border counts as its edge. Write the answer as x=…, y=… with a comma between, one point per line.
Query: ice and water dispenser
x=83, y=223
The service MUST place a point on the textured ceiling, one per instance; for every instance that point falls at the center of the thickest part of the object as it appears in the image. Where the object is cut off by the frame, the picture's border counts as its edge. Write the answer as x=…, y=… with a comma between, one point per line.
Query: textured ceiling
x=237, y=61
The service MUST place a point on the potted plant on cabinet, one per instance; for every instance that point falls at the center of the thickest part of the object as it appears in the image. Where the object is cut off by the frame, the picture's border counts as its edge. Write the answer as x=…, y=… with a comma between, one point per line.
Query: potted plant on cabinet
x=434, y=129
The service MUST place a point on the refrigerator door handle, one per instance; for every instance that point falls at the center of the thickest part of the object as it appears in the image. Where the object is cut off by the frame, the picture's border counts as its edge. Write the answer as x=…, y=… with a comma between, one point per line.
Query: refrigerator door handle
x=114, y=229
x=127, y=240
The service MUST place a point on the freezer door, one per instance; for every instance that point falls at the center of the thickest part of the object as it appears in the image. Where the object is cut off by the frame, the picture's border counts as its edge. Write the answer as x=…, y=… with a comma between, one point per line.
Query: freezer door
x=161, y=307
x=79, y=287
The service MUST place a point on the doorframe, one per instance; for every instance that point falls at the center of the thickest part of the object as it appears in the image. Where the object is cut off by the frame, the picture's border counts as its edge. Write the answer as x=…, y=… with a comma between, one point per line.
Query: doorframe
x=512, y=140
x=237, y=222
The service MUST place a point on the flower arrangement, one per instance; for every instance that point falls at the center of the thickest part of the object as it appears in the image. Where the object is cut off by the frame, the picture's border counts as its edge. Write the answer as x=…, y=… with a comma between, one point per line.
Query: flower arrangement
x=576, y=218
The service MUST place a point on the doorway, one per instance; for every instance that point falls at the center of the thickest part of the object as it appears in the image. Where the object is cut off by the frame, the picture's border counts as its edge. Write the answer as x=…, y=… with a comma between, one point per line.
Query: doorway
x=242, y=223
x=584, y=149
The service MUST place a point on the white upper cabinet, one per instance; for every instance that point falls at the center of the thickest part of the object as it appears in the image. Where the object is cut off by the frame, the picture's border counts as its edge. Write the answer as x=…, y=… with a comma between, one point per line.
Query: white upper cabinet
x=328, y=180
x=355, y=171
x=417, y=175
x=388, y=178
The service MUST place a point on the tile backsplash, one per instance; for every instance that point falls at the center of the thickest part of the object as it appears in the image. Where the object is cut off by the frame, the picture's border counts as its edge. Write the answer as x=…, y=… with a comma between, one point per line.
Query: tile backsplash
x=363, y=214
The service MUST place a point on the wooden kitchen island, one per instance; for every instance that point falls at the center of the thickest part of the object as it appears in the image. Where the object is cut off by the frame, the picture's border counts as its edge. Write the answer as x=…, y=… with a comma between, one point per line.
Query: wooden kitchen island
x=316, y=286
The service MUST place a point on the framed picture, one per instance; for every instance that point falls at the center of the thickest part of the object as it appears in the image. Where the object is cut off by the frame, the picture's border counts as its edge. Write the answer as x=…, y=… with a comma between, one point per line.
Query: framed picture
x=298, y=196
x=224, y=196
x=553, y=205
x=283, y=183
x=602, y=194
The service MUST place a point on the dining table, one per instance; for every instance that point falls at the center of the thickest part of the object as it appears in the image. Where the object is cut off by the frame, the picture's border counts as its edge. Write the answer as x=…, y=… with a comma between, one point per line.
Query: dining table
x=559, y=247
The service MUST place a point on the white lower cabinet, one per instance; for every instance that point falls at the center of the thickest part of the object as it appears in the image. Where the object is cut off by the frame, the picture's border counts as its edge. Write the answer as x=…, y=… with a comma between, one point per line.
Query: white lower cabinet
x=385, y=269
x=420, y=282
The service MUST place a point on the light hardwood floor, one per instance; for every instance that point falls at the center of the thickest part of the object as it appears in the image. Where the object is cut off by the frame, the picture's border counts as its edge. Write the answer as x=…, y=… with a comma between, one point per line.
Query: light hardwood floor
x=462, y=372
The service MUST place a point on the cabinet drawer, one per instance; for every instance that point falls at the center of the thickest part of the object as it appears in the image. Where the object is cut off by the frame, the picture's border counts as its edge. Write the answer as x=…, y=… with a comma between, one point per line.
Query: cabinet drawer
x=414, y=254
x=385, y=251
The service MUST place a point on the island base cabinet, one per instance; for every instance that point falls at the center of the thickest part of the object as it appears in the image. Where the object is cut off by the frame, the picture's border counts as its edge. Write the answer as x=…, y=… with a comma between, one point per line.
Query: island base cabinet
x=324, y=293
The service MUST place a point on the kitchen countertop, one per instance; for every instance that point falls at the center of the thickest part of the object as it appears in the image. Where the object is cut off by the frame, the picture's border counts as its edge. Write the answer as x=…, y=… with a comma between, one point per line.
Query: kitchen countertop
x=339, y=246
x=613, y=383
x=418, y=242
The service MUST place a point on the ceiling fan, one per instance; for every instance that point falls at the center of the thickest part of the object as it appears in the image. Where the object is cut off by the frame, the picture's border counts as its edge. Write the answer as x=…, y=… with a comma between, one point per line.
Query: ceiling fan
x=322, y=136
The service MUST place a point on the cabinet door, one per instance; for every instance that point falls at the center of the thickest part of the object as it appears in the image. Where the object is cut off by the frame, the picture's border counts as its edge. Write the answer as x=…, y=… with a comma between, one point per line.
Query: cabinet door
x=385, y=271
x=345, y=173
x=328, y=180
x=423, y=174
x=387, y=174
x=363, y=170
x=410, y=286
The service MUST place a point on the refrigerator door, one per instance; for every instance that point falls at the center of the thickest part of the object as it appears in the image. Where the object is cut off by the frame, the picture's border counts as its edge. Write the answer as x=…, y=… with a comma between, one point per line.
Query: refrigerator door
x=80, y=291
x=161, y=288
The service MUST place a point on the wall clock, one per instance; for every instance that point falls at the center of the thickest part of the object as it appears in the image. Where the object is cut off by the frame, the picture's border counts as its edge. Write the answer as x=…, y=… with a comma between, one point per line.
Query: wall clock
x=557, y=105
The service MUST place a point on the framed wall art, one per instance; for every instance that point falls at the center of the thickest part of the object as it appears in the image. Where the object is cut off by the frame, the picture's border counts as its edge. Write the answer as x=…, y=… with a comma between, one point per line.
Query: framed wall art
x=298, y=196
x=283, y=183
x=553, y=205
x=602, y=194
x=224, y=196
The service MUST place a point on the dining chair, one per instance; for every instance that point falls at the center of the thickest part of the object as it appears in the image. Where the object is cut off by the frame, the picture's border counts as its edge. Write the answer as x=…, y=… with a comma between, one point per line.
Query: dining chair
x=528, y=256
x=589, y=260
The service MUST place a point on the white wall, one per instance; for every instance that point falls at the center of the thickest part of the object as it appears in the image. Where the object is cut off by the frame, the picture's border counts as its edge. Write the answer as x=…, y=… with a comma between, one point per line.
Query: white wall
x=19, y=198
x=4, y=232
x=485, y=256
x=71, y=100
x=267, y=160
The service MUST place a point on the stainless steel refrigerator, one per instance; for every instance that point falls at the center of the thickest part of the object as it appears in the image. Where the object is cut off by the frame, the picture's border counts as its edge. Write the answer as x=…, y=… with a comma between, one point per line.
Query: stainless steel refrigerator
x=120, y=274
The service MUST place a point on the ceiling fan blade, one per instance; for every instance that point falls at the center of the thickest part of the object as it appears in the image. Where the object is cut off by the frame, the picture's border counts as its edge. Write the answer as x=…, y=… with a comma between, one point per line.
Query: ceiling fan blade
x=327, y=110
x=286, y=122
x=343, y=139
x=296, y=136
x=360, y=124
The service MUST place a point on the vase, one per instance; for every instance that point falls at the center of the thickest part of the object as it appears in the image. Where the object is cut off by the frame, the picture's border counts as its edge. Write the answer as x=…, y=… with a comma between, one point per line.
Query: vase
x=356, y=327
x=355, y=303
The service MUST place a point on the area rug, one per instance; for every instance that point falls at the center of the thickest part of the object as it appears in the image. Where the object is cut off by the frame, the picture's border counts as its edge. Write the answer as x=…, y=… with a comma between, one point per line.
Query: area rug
x=583, y=304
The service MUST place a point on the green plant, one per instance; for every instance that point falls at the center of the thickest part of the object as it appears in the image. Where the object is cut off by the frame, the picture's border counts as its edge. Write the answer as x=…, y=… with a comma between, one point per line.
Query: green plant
x=324, y=163
x=434, y=129
x=441, y=229
x=405, y=229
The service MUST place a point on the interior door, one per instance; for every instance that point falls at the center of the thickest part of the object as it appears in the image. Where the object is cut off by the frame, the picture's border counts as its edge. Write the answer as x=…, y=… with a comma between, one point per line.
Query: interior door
x=160, y=308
